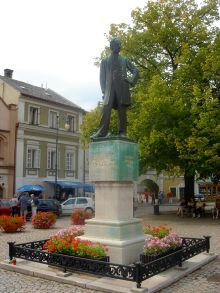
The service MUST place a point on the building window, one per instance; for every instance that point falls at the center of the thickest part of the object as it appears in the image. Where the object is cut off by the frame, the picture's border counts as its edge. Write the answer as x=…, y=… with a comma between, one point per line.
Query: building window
x=51, y=160
x=70, y=161
x=33, y=158
x=71, y=123
x=53, y=120
x=1, y=149
x=34, y=115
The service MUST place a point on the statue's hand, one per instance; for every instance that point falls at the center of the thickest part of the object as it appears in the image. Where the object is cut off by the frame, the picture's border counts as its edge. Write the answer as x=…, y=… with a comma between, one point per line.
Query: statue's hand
x=129, y=81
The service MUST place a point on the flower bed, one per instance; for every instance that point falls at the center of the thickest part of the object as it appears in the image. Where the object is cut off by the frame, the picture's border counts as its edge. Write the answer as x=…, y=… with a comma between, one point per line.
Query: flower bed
x=79, y=216
x=155, y=247
x=65, y=242
x=146, y=258
x=160, y=231
x=162, y=242
x=74, y=231
x=43, y=220
x=138, y=272
x=11, y=224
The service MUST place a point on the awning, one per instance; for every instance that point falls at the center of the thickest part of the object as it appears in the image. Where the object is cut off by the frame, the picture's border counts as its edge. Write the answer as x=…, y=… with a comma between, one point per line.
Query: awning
x=87, y=187
x=31, y=188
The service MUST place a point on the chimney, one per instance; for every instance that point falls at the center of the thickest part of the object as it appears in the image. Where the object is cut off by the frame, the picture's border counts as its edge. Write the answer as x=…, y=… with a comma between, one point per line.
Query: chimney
x=8, y=73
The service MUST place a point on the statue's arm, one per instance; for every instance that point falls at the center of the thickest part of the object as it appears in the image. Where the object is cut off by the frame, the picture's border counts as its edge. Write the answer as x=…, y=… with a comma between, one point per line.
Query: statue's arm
x=103, y=76
x=133, y=69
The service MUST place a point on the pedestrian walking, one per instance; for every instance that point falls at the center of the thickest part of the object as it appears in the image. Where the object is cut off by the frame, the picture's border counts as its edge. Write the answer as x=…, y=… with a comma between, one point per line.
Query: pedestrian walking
x=14, y=206
x=170, y=197
x=160, y=197
x=23, y=202
x=153, y=198
x=34, y=204
x=146, y=195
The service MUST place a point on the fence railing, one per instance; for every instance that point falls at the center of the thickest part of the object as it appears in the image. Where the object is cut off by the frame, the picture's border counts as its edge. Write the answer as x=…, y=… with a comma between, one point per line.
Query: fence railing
x=136, y=272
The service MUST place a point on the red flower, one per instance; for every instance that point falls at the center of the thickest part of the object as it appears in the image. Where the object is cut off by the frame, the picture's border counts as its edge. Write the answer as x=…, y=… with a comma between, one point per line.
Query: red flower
x=11, y=224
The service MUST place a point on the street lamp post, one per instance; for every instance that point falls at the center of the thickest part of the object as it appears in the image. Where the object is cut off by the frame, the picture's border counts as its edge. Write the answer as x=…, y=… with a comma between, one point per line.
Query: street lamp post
x=56, y=157
x=84, y=170
x=67, y=126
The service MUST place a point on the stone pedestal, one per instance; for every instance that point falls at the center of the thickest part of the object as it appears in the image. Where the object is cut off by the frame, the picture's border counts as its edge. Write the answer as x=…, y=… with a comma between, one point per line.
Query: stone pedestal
x=113, y=167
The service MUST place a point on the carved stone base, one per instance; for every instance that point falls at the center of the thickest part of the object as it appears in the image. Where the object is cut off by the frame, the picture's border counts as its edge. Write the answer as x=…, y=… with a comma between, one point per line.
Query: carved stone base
x=124, y=239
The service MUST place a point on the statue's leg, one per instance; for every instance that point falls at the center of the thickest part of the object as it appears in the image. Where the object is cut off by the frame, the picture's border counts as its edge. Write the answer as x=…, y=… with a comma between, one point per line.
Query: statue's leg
x=122, y=120
x=105, y=120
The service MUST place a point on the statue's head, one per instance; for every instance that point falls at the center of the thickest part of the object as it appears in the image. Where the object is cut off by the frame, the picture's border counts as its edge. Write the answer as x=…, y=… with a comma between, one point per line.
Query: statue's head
x=115, y=45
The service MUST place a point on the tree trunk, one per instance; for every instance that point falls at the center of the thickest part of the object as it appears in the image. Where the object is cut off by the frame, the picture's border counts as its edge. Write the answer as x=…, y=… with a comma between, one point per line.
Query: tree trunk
x=189, y=186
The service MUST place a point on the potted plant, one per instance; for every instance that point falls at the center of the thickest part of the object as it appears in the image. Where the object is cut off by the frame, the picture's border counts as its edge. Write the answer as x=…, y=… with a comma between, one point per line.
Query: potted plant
x=11, y=224
x=43, y=220
x=79, y=216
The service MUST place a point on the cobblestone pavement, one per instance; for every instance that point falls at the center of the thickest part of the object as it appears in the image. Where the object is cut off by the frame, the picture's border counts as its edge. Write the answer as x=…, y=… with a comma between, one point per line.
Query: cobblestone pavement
x=199, y=281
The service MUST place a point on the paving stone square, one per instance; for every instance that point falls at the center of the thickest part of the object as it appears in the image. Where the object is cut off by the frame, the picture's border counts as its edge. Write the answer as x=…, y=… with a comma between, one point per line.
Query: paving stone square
x=203, y=280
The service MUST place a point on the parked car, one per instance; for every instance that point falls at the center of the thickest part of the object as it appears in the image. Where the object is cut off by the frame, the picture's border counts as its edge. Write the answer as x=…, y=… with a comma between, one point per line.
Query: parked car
x=49, y=205
x=199, y=196
x=5, y=207
x=70, y=204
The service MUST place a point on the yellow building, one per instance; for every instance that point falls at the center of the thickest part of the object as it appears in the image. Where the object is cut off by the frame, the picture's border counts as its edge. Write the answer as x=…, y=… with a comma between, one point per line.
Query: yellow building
x=161, y=182
x=8, y=129
x=45, y=147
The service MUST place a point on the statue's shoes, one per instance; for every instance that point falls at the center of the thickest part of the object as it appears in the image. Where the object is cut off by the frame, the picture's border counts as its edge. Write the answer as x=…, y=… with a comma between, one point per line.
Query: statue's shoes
x=96, y=135
x=122, y=135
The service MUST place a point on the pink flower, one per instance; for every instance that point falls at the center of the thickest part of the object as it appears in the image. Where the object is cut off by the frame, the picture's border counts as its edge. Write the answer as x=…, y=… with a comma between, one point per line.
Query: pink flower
x=155, y=245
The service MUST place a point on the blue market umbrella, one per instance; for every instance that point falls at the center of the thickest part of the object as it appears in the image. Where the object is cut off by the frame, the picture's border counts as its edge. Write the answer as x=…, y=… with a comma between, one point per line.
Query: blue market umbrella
x=31, y=188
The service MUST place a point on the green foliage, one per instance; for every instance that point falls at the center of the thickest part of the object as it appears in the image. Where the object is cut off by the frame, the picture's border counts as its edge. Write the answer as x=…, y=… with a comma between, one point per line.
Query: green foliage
x=175, y=112
x=90, y=125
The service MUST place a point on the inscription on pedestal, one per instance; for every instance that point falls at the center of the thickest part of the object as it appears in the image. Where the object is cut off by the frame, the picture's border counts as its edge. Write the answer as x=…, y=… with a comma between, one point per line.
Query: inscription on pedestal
x=115, y=160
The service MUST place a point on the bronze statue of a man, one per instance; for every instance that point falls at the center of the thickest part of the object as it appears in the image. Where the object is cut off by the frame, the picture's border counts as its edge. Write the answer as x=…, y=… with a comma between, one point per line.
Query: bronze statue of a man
x=115, y=84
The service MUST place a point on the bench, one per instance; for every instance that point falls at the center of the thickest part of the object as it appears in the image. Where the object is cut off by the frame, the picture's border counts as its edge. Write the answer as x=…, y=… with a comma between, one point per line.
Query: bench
x=157, y=206
x=207, y=209
x=209, y=206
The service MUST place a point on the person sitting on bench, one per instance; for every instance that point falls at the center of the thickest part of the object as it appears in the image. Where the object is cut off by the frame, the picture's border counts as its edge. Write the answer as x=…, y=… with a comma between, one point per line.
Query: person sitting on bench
x=181, y=208
x=199, y=209
x=216, y=209
x=190, y=206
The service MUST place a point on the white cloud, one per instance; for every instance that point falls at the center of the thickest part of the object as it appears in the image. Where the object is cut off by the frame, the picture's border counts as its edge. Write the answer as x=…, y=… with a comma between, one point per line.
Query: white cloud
x=56, y=41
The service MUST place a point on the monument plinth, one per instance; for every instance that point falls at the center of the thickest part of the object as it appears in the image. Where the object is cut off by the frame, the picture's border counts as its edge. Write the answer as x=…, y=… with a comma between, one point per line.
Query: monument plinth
x=113, y=168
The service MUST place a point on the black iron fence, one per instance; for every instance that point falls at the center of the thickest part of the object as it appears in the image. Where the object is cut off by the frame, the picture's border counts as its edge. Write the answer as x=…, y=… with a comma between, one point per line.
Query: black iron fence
x=137, y=272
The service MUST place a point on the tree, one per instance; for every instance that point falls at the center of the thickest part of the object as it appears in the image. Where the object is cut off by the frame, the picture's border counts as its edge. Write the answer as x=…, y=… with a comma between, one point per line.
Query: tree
x=91, y=122
x=173, y=42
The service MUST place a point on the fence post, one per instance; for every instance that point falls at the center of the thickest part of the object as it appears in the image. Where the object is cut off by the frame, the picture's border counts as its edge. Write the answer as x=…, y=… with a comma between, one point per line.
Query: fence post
x=11, y=250
x=180, y=264
x=207, y=238
x=138, y=274
x=156, y=209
